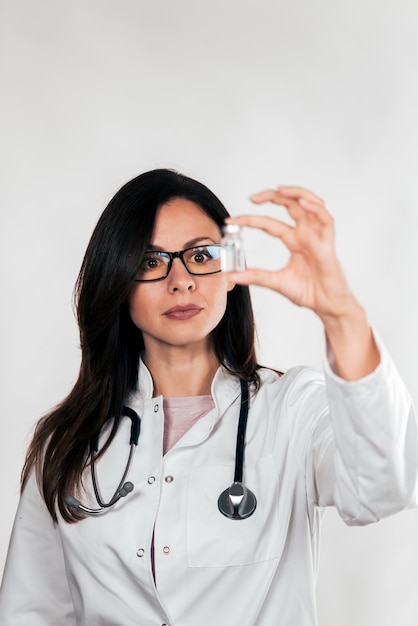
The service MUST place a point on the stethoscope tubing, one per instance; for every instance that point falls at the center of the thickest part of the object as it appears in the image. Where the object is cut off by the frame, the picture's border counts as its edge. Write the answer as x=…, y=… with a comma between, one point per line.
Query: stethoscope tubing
x=116, y=495
x=124, y=488
x=236, y=502
x=241, y=432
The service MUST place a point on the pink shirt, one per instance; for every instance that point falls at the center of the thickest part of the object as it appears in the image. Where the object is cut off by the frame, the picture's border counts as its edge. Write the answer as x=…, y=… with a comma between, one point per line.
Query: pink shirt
x=180, y=414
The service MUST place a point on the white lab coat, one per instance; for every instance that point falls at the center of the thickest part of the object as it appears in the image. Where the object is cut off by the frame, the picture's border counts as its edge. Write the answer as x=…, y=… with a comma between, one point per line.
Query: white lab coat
x=313, y=440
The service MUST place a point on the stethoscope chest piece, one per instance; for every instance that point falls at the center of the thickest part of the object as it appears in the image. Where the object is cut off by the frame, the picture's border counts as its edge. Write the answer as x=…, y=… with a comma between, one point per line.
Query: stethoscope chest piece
x=237, y=502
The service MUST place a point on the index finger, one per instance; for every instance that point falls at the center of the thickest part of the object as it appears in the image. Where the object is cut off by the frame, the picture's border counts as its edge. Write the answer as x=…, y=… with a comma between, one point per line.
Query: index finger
x=262, y=222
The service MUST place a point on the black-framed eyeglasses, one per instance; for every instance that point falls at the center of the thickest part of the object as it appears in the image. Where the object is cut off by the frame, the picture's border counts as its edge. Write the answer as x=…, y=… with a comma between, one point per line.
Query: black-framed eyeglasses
x=199, y=260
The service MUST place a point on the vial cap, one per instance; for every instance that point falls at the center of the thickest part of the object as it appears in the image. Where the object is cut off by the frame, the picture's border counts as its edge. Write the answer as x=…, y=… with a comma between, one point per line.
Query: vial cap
x=231, y=229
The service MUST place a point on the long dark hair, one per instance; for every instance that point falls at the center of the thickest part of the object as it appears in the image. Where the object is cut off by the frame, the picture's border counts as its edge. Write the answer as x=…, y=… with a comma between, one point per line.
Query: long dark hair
x=110, y=342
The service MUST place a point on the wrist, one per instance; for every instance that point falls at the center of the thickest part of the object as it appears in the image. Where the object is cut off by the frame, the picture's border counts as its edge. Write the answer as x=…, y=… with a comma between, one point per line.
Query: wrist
x=349, y=317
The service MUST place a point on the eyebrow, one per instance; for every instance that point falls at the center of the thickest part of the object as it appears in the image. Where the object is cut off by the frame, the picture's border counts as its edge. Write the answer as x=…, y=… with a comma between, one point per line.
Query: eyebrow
x=188, y=244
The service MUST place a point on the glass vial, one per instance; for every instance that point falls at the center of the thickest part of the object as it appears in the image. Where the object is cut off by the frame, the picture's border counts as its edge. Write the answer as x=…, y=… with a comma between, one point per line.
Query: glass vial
x=232, y=253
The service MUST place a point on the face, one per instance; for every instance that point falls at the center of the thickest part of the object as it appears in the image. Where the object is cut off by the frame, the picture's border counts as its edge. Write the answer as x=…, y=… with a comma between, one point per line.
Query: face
x=182, y=309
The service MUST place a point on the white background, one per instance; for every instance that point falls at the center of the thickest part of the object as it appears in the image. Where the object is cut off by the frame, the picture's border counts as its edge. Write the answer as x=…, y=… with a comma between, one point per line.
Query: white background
x=240, y=95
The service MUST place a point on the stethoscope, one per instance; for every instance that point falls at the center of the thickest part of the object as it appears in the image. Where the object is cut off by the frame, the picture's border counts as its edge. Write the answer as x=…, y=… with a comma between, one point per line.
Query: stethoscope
x=236, y=502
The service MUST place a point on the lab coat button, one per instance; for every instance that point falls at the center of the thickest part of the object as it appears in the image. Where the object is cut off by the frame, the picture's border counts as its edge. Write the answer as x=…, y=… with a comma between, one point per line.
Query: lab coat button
x=169, y=479
x=156, y=408
x=140, y=552
x=151, y=480
x=166, y=549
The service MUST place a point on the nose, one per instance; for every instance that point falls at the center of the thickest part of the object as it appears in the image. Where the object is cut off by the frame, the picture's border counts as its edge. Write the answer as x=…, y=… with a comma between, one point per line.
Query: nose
x=179, y=278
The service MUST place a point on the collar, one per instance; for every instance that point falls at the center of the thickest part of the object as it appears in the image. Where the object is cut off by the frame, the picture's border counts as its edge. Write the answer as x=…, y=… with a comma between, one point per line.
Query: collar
x=225, y=389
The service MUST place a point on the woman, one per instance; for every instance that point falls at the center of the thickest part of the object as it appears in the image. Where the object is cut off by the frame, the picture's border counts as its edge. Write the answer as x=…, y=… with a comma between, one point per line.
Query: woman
x=165, y=333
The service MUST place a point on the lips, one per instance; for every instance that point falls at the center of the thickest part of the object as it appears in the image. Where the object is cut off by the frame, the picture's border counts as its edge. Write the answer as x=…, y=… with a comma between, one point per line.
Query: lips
x=183, y=312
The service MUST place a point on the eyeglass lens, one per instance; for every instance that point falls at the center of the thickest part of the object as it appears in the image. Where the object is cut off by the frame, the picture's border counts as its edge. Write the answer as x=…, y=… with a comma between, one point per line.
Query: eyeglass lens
x=199, y=260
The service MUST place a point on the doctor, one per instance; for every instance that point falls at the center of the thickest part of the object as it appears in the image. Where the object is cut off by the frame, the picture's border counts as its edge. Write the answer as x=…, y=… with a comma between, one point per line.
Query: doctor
x=167, y=336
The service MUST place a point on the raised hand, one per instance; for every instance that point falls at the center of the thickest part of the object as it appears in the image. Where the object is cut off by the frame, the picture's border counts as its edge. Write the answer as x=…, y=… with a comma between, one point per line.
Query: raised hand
x=313, y=276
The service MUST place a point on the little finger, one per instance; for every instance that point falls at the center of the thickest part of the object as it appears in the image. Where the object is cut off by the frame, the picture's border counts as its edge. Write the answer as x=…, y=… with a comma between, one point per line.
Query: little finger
x=299, y=192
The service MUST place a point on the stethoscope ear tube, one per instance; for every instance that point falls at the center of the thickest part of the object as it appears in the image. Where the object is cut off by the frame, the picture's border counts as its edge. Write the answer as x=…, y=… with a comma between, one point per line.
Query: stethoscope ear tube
x=76, y=504
x=239, y=502
x=124, y=488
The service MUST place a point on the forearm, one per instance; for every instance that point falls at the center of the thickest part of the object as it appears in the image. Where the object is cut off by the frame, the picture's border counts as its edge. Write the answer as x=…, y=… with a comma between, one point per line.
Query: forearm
x=368, y=467
x=351, y=340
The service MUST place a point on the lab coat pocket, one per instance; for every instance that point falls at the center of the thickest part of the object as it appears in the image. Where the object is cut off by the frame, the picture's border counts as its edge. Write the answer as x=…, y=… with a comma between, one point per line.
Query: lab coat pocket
x=213, y=540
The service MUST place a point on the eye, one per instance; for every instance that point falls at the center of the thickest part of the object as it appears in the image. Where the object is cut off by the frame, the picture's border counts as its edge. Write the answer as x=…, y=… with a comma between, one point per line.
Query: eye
x=200, y=255
x=153, y=265
x=151, y=262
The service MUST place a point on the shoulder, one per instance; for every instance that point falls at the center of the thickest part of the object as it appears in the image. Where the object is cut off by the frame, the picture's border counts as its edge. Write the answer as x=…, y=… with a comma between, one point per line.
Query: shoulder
x=31, y=501
x=298, y=397
x=296, y=381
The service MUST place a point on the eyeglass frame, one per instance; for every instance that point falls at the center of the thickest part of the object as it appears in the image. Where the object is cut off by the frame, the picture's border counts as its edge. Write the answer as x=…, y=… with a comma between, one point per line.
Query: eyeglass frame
x=179, y=254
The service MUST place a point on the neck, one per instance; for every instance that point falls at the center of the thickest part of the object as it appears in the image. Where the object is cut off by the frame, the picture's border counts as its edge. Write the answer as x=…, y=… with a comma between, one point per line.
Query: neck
x=181, y=374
